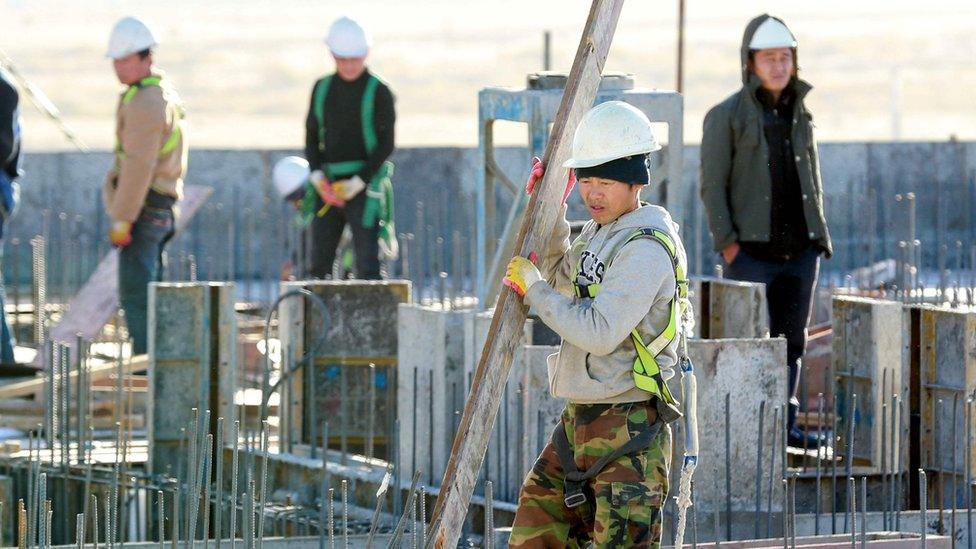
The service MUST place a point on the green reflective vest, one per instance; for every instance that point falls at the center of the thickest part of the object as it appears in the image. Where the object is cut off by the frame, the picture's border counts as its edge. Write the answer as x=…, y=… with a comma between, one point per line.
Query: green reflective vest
x=174, y=137
x=647, y=371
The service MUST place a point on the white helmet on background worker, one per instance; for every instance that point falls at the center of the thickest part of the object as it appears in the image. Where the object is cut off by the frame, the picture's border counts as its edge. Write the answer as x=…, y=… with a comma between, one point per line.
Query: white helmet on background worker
x=289, y=175
x=772, y=33
x=347, y=38
x=130, y=35
x=609, y=131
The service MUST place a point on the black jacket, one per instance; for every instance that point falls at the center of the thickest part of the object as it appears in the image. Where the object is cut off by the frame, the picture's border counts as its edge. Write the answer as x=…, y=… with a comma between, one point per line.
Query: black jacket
x=9, y=128
x=343, y=125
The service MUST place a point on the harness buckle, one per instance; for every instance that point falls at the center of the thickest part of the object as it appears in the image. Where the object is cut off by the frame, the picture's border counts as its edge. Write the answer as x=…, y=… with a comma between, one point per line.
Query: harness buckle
x=574, y=498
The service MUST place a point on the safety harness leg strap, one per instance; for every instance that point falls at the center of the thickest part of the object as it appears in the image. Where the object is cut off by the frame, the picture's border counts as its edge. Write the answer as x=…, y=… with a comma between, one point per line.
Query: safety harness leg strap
x=574, y=479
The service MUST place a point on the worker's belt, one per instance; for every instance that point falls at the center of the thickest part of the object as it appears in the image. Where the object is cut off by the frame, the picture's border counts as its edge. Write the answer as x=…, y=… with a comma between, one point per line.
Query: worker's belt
x=156, y=199
x=574, y=480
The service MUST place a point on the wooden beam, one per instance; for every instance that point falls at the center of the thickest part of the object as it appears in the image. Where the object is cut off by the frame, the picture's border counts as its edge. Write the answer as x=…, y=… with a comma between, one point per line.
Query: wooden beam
x=97, y=372
x=504, y=336
x=98, y=300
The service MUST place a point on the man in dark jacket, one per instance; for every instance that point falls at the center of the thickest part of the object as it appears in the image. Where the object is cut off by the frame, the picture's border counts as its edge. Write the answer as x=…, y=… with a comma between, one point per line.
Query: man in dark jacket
x=760, y=182
x=9, y=190
x=349, y=137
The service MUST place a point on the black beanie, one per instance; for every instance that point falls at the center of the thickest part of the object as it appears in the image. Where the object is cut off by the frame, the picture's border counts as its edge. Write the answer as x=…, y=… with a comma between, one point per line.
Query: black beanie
x=635, y=170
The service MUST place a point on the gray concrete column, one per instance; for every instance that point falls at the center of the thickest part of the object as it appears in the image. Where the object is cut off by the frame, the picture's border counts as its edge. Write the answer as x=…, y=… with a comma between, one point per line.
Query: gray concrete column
x=867, y=347
x=727, y=308
x=361, y=329
x=192, y=362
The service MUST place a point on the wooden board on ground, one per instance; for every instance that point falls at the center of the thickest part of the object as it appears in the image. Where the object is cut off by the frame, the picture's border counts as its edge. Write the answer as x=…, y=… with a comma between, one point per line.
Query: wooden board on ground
x=97, y=372
x=98, y=300
x=504, y=336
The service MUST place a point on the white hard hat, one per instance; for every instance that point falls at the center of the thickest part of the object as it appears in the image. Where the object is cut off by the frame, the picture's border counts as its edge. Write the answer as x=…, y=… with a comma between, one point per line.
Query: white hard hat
x=347, y=38
x=130, y=35
x=610, y=131
x=289, y=174
x=772, y=33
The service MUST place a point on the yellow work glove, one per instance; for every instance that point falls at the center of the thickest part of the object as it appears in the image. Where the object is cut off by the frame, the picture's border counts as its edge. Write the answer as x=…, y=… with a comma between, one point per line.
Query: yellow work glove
x=522, y=274
x=347, y=189
x=120, y=233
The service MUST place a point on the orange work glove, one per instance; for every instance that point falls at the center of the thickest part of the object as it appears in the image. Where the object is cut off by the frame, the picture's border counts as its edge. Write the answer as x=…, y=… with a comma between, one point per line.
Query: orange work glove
x=120, y=233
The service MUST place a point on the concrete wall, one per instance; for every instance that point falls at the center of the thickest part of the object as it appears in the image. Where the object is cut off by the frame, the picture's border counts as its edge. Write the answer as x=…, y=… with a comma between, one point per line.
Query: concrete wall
x=243, y=230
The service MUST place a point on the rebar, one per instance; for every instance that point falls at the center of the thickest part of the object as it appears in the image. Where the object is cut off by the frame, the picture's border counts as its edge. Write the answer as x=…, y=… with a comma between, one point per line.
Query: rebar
x=219, y=483
x=851, y=509
x=233, y=484
x=820, y=456
x=161, y=527
x=208, y=461
x=922, y=505
x=264, y=480
x=345, y=514
x=772, y=475
x=402, y=523
x=759, y=457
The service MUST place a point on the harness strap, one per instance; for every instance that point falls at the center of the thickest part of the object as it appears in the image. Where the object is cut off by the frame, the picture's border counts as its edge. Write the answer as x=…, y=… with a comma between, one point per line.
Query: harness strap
x=574, y=479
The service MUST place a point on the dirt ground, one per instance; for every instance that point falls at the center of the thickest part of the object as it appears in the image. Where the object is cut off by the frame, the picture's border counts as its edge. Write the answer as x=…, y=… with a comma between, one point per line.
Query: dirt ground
x=882, y=69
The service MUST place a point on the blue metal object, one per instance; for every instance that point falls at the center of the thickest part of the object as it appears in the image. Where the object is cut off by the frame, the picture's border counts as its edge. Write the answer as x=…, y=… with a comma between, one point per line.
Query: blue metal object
x=536, y=106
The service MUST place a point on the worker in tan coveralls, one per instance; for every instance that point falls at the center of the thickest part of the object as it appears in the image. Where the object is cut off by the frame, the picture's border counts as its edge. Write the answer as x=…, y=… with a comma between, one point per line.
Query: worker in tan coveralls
x=146, y=179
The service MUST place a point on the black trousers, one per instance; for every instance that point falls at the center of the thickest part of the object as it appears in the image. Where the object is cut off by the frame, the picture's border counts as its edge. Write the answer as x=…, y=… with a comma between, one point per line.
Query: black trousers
x=789, y=298
x=327, y=231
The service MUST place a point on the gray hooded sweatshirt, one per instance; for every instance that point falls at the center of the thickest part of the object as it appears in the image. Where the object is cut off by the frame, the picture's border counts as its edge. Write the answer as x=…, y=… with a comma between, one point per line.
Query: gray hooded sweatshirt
x=637, y=283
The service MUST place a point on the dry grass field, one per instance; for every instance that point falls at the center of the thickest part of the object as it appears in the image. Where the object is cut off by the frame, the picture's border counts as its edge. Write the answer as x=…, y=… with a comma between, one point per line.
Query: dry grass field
x=882, y=69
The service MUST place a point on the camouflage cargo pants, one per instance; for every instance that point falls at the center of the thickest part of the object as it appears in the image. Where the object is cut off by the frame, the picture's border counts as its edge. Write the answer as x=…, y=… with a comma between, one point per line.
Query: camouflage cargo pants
x=624, y=501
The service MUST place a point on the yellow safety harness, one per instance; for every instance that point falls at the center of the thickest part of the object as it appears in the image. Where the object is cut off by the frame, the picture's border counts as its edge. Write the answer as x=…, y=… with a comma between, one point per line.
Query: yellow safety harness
x=647, y=371
x=174, y=137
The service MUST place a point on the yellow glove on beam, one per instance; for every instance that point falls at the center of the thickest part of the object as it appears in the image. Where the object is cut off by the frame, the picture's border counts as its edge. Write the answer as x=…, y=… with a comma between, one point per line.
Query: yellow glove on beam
x=522, y=274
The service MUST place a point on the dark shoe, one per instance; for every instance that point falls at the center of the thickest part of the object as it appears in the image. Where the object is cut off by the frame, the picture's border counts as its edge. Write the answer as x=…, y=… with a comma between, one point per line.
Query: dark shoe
x=797, y=438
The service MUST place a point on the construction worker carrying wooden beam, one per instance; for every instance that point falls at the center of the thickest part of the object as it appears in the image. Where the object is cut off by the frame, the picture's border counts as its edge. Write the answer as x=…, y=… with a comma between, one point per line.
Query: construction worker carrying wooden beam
x=146, y=178
x=617, y=297
x=349, y=139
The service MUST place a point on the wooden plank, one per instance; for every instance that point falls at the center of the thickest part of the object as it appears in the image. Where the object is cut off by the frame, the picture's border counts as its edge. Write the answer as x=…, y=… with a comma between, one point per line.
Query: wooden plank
x=98, y=300
x=505, y=333
x=97, y=372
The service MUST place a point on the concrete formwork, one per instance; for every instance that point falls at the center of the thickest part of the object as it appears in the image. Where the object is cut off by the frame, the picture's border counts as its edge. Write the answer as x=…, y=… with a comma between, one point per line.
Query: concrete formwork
x=867, y=348
x=942, y=358
x=751, y=372
x=353, y=379
x=541, y=410
x=438, y=355
x=431, y=368
x=192, y=363
x=727, y=308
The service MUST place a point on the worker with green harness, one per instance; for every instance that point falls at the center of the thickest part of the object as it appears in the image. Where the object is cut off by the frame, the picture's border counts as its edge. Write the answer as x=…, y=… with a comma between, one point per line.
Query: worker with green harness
x=349, y=138
x=617, y=296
